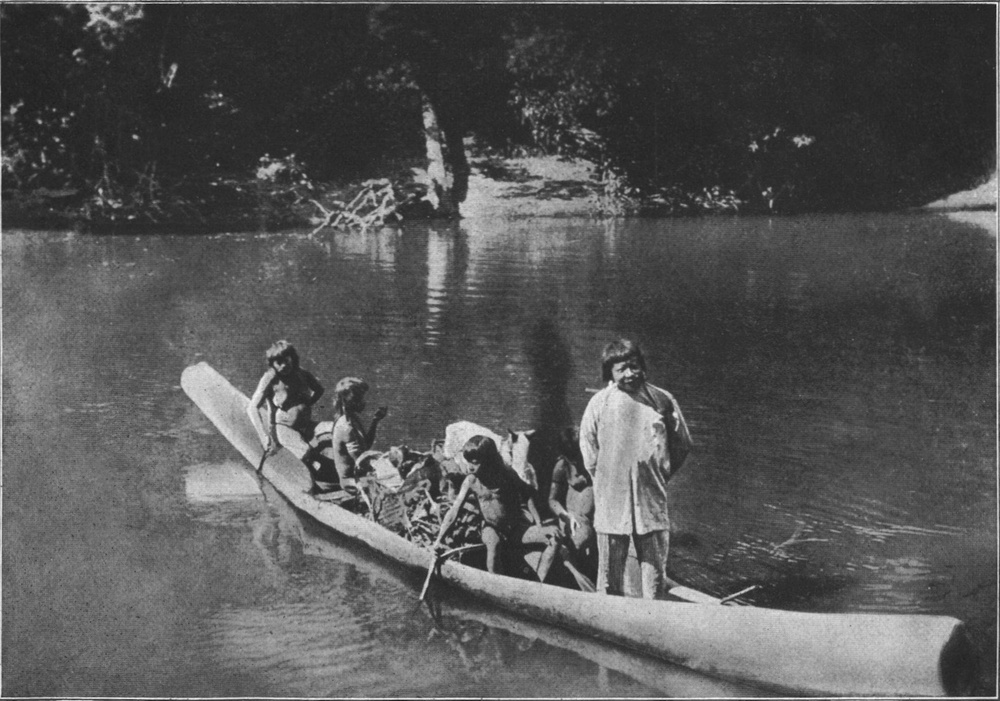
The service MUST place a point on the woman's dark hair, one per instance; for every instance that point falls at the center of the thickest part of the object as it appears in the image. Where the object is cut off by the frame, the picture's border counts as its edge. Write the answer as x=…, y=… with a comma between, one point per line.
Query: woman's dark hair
x=619, y=351
x=481, y=450
x=282, y=349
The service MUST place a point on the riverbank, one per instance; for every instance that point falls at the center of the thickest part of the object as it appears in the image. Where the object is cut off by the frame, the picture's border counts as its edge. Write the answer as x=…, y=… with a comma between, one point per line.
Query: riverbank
x=504, y=188
x=535, y=186
x=509, y=188
x=548, y=186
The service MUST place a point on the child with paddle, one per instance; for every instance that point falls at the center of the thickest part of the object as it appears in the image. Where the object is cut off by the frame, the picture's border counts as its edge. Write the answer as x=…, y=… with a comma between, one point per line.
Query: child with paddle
x=507, y=506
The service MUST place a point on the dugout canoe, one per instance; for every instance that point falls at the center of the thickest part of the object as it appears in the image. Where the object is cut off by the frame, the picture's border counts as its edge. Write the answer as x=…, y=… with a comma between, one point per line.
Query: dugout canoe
x=448, y=610
x=827, y=654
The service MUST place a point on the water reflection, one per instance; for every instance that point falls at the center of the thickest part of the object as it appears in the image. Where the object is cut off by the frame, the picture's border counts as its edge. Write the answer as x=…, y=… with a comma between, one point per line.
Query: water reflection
x=377, y=247
x=361, y=626
x=212, y=483
x=984, y=220
x=439, y=257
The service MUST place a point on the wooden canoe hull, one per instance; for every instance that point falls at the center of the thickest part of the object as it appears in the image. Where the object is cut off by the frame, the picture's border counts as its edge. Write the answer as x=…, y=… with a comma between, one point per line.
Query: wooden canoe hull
x=804, y=653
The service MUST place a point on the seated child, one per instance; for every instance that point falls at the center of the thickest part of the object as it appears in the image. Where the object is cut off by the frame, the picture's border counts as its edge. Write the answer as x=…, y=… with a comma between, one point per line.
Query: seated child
x=506, y=504
x=571, y=499
x=350, y=439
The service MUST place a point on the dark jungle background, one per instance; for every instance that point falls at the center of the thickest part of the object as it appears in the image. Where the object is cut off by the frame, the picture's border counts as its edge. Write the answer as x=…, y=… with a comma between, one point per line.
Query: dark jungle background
x=179, y=112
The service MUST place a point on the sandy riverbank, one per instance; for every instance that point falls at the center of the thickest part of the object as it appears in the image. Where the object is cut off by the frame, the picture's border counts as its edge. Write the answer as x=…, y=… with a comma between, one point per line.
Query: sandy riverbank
x=530, y=187
x=560, y=187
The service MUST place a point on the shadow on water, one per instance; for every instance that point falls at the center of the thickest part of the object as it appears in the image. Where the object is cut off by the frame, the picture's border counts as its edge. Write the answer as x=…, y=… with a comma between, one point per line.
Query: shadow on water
x=485, y=640
x=552, y=367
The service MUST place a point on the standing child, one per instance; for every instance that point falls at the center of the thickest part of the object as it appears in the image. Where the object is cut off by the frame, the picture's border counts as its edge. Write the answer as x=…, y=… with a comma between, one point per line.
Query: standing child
x=507, y=506
x=290, y=393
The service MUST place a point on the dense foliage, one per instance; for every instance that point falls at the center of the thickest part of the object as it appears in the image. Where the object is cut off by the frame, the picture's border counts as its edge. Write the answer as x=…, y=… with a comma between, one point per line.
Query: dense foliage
x=161, y=111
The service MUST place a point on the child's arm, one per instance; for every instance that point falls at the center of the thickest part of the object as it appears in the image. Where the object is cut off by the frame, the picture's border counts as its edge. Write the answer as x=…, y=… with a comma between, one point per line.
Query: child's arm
x=315, y=387
x=557, y=495
x=533, y=508
x=680, y=445
x=345, y=433
x=369, y=436
x=528, y=494
x=452, y=514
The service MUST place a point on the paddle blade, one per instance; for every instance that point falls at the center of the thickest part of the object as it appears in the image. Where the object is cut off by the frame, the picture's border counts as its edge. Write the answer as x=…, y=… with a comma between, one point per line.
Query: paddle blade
x=582, y=580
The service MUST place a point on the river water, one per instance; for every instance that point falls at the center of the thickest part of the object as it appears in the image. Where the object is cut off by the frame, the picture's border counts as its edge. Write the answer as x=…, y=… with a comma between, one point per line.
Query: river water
x=838, y=374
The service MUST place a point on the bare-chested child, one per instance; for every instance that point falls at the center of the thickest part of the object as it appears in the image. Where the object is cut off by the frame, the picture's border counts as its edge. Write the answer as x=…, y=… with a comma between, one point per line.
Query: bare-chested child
x=571, y=499
x=350, y=439
x=290, y=393
x=507, y=505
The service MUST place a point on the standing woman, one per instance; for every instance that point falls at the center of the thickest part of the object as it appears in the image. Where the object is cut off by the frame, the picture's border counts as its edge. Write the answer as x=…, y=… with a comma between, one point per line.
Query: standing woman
x=350, y=439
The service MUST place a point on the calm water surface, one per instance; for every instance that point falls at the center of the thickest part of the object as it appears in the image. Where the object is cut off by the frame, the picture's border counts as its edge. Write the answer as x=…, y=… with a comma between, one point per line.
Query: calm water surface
x=838, y=374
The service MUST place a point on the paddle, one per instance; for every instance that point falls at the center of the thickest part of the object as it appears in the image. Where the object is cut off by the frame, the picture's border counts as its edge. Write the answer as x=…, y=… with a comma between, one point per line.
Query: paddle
x=437, y=559
x=733, y=597
x=263, y=456
x=582, y=580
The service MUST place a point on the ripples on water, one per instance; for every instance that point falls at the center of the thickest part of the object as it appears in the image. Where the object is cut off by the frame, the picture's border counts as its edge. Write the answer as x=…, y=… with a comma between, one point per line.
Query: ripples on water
x=353, y=623
x=838, y=374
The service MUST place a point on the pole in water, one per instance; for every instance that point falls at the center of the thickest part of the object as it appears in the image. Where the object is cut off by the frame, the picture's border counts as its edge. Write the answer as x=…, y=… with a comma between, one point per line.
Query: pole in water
x=741, y=592
x=436, y=561
x=427, y=579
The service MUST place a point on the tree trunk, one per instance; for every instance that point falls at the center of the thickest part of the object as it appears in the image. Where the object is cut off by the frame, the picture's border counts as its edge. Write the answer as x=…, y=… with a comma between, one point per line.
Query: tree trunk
x=447, y=166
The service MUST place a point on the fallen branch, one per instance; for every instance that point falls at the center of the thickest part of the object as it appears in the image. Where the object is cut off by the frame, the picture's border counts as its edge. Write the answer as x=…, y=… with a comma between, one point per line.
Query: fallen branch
x=374, y=205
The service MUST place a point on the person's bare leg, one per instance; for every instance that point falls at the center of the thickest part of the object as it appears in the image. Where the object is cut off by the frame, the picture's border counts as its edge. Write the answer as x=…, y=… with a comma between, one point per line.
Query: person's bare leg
x=491, y=539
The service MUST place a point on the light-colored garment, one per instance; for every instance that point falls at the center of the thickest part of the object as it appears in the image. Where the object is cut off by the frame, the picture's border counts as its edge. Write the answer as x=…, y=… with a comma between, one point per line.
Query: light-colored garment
x=513, y=449
x=625, y=446
x=457, y=434
x=651, y=550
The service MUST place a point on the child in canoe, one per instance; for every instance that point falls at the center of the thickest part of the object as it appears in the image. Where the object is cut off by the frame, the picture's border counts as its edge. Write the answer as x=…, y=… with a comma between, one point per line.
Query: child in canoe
x=350, y=439
x=290, y=393
x=507, y=506
x=571, y=499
